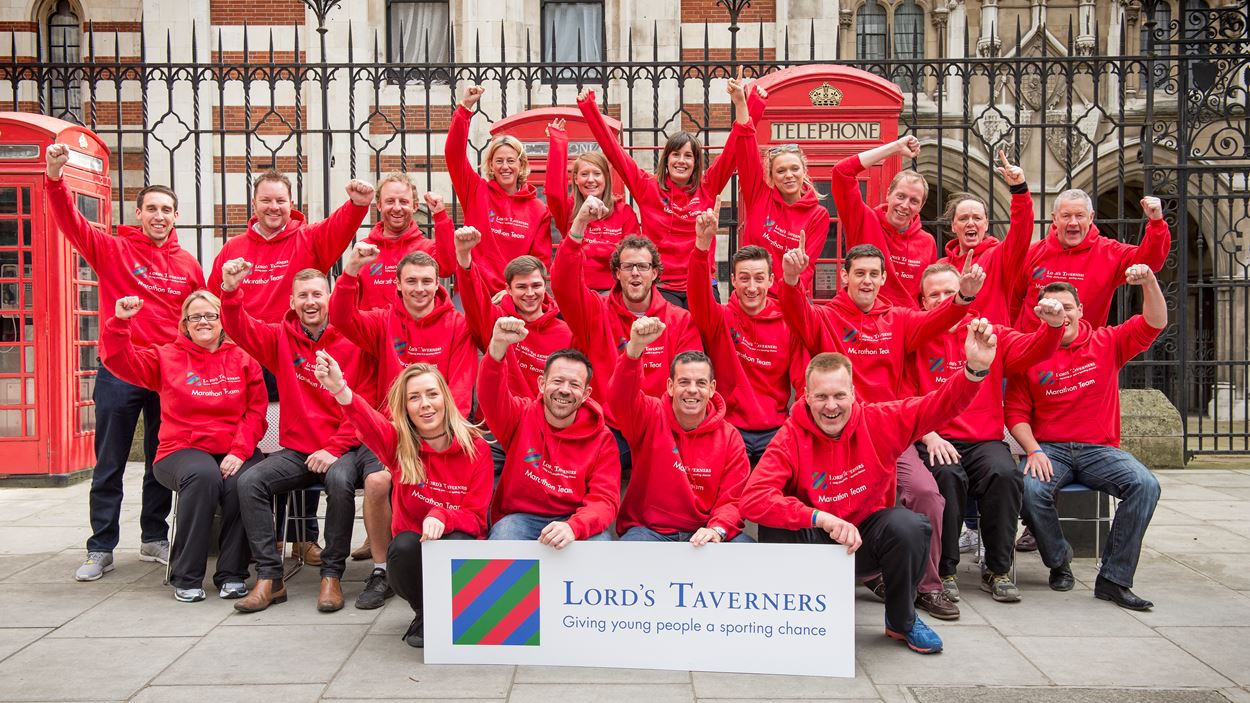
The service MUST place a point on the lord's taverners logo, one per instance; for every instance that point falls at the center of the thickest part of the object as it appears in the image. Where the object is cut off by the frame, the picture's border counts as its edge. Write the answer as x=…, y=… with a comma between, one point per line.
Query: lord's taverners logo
x=494, y=601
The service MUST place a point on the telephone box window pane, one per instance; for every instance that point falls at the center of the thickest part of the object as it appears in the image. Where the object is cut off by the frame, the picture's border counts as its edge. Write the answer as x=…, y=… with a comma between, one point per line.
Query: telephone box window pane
x=25, y=233
x=10, y=391
x=8, y=201
x=825, y=188
x=8, y=264
x=28, y=328
x=85, y=272
x=8, y=233
x=86, y=388
x=30, y=358
x=89, y=207
x=10, y=360
x=8, y=296
x=86, y=418
x=87, y=358
x=30, y=391
x=88, y=298
x=10, y=423
x=28, y=296
x=26, y=265
x=26, y=200
x=30, y=422
x=88, y=328
x=9, y=331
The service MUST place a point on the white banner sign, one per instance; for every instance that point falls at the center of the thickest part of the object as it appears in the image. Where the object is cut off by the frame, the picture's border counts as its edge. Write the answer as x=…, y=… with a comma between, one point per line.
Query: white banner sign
x=752, y=608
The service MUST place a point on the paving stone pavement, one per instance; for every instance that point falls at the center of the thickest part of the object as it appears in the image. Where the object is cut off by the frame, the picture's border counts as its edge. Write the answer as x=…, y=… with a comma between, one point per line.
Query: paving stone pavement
x=124, y=638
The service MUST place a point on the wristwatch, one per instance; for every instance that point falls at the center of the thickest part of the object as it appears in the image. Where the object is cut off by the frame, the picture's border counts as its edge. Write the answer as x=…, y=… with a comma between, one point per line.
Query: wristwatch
x=720, y=531
x=966, y=300
x=977, y=374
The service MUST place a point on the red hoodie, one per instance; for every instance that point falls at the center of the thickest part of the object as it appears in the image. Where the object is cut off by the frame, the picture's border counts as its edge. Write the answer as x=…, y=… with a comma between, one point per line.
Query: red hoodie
x=877, y=341
x=851, y=476
x=377, y=282
x=570, y=471
x=682, y=480
x=396, y=340
x=1002, y=261
x=456, y=489
x=525, y=360
x=1095, y=266
x=130, y=264
x=512, y=224
x=907, y=254
x=768, y=220
x=290, y=355
x=276, y=260
x=213, y=401
x=756, y=358
x=600, y=325
x=942, y=358
x=1074, y=396
x=668, y=212
x=601, y=236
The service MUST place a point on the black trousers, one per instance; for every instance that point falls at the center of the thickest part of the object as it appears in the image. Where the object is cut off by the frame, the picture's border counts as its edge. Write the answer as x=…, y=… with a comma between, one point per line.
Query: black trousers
x=403, y=566
x=987, y=472
x=196, y=477
x=285, y=471
x=895, y=544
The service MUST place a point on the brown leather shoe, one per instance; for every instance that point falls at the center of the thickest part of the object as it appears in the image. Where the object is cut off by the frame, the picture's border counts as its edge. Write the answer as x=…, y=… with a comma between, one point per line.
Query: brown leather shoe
x=265, y=593
x=310, y=550
x=331, y=597
x=364, y=551
x=938, y=604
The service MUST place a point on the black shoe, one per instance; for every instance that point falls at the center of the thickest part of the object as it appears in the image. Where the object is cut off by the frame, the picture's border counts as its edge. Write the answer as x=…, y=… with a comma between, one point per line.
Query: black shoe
x=377, y=590
x=1120, y=595
x=876, y=585
x=1061, y=578
x=1027, y=542
x=415, y=636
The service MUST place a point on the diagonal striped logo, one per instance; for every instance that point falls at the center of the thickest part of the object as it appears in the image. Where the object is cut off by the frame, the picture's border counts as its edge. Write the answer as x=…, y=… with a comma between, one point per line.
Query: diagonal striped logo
x=298, y=361
x=1039, y=272
x=936, y=363
x=1045, y=378
x=193, y=379
x=818, y=479
x=376, y=268
x=494, y=601
x=849, y=334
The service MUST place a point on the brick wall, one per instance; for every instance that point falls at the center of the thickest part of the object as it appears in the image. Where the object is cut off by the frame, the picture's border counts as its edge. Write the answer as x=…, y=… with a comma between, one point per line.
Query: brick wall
x=709, y=11
x=280, y=12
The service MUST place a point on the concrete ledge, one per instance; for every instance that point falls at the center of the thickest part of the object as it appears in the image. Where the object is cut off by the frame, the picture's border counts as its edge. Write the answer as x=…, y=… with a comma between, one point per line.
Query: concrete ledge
x=1150, y=429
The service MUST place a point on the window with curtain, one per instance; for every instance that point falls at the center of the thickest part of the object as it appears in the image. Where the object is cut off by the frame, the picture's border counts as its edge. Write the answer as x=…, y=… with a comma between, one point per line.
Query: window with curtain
x=908, y=41
x=64, y=38
x=418, y=31
x=573, y=33
x=870, y=32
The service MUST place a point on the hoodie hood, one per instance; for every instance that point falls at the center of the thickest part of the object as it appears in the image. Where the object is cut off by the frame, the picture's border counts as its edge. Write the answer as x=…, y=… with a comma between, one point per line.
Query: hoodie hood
x=711, y=422
x=588, y=423
x=442, y=307
x=771, y=311
x=550, y=313
x=657, y=307
x=802, y=416
x=913, y=227
x=136, y=235
x=842, y=301
x=292, y=226
x=1083, y=332
x=807, y=199
x=524, y=192
x=981, y=249
x=379, y=238
x=184, y=343
x=1053, y=243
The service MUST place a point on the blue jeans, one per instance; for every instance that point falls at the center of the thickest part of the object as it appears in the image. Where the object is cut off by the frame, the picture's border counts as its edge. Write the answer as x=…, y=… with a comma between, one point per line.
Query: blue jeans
x=638, y=533
x=117, y=408
x=1105, y=469
x=525, y=526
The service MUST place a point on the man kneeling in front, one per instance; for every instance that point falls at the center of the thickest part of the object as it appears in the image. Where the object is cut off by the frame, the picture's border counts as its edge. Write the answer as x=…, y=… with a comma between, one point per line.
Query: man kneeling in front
x=828, y=476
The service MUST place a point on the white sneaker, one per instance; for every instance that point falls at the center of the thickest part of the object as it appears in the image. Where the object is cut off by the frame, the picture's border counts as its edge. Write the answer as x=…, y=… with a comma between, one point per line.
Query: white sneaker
x=157, y=551
x=969, y=541
x=189, y=595
x=233, y=590
x=96, y=565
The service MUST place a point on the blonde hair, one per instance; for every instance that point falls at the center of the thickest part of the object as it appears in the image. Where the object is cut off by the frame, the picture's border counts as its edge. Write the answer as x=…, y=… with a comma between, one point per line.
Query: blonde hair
x=408, y=447
x=908, y=175
x=599, y=161
x=396, y=177
x=510, y=141
x=771, y=154
x=208, y=297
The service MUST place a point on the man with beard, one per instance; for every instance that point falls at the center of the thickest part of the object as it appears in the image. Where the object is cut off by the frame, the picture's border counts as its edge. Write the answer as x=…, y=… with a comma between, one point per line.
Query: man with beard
x=755, y=354
x=319, y=445
x=561, y=481
x=600, y=325
x=690, y=464
x=857, y=322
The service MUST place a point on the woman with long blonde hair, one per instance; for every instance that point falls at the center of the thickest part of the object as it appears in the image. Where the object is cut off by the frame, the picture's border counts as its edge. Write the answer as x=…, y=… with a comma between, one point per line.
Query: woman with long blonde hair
x=441, y=470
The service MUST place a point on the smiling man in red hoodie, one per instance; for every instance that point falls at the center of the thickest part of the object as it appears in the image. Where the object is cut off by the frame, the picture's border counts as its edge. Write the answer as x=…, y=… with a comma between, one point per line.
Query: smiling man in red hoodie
x=600, y=325
x=561, y=482
x=828, y=477
x=893, y=226
x=755, y=354
x=319, y=445
x=879, y=337
x=1065, y=412
x=395, y=234
x=690, y=464
x=1074, y=252
x=144, y=261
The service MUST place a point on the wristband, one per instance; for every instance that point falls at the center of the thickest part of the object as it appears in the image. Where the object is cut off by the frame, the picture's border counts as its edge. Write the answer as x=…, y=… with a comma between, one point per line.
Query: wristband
x=720, y=531
x=1037, y=451
x=814, y=514
x=977, y=374
x=967, y=299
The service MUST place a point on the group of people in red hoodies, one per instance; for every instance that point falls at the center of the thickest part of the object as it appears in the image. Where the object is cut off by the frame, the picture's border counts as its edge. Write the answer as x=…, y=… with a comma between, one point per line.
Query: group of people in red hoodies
x=867, y=422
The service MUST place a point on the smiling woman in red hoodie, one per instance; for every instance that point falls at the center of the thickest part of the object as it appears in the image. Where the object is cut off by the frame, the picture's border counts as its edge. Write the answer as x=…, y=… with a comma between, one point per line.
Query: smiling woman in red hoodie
x=672, y=197
x=213, y=401
x=502, y=205
x=439, y=464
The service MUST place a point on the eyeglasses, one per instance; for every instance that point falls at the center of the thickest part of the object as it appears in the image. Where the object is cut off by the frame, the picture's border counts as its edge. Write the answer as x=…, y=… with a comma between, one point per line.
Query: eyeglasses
x=784, y=149
x=202, y=317
x=640, y=268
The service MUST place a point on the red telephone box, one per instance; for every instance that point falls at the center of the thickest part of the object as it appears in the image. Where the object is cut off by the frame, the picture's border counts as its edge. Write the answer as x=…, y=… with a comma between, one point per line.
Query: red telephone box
x=49, y=302
x=531, y=128
x=832, y=112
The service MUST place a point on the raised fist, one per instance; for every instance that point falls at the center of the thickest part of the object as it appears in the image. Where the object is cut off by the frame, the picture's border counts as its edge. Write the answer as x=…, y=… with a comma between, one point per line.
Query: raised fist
x=907, y=147
x=1152, y=207
x=233, y=272
x=434, y=202
x=57, y=155
x=644, y=331
x=1050, y=311
x=361, y=193
x=981, y=345
x=592, y=209
x=359, y=257
x=509, y=331
x=328, y=372
x=126, y=307
x=1138, y=275
x=556, y=124
x=471, y=95
x=466, y=239
x=585, y=94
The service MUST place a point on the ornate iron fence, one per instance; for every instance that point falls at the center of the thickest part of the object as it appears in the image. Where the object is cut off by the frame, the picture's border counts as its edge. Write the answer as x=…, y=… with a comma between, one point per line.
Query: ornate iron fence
x=1167, y=119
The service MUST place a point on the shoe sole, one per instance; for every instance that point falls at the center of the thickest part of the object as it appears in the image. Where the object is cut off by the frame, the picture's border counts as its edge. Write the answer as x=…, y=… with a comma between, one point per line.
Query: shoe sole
x=1062, y=589
x=97, y=577
x=329, y=607
x=1109, y=599
x=233, y=595
x=1000, y=599
x=939, y=616
x=273, y=601
x=189, y=600
x=901, y=638
x=158, y=560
